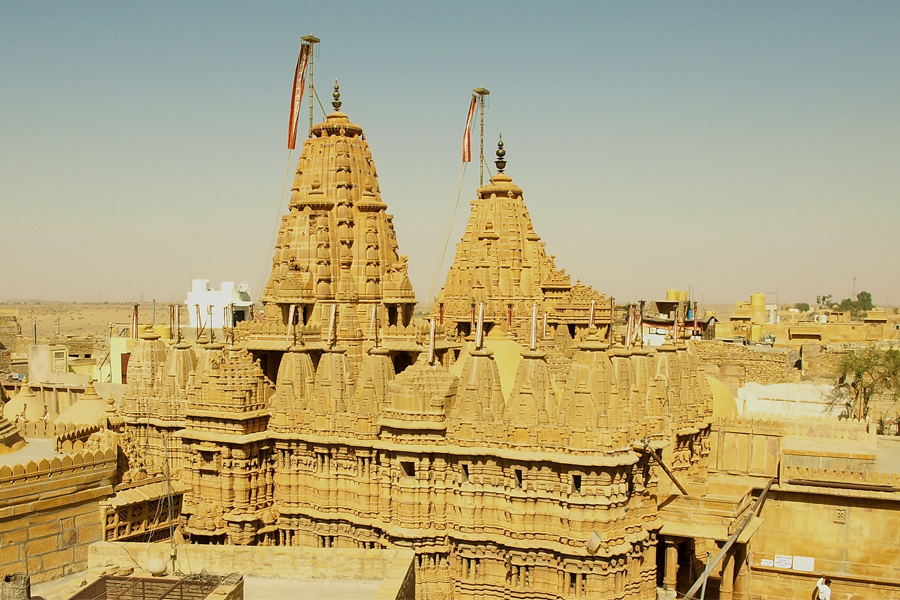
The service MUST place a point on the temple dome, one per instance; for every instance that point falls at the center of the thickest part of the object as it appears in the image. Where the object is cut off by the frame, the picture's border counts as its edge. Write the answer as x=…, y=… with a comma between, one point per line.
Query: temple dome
x=90, y=409
x=336, y=123
x=25, y=403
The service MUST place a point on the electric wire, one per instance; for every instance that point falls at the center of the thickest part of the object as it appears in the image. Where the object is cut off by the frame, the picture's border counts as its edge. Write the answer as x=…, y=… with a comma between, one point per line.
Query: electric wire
x=447, y=232
x=267, y=265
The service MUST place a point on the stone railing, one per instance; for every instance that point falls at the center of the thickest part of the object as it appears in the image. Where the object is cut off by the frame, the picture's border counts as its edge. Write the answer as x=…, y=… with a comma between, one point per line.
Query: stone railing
x=753, y=444
x=818, y=427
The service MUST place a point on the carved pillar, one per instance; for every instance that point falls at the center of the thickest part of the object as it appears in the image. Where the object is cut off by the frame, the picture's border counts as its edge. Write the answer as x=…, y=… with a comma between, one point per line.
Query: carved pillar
x=270, y=483
x=241, y=483
x=726, y=587
x=670, y=578
x=741, y=578
x=293, y=460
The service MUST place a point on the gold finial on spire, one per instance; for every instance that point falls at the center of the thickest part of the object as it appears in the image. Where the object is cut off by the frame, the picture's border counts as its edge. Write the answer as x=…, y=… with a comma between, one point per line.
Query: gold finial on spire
x=336, y=103
x=501, y=156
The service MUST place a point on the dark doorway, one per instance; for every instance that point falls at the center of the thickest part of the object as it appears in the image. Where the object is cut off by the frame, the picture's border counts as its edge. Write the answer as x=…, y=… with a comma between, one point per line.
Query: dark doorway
x=401, y=360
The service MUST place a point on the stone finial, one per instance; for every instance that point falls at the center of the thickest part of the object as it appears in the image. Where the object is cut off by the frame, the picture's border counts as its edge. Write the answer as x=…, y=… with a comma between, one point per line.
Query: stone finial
x=501, y=156
x=89, y=392
x=336, y=103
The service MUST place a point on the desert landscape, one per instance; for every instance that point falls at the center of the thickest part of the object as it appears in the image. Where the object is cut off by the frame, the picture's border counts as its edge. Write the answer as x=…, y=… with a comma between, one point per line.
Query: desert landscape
x=84, y=318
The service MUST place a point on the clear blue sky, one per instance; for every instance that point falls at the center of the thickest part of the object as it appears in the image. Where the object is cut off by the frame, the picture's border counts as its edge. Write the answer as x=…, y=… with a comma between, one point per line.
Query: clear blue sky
x=733, y=147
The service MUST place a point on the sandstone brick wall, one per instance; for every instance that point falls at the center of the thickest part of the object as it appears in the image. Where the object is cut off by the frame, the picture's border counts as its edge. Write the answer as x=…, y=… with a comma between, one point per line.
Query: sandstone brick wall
x=820, y=363
x=737, y=364
x=54, y=542
x=852, y=540
x=50, y=513
x=8, y=333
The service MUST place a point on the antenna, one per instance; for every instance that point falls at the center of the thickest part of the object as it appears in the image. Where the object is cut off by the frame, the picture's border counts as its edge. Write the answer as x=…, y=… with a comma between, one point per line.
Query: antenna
x=169, y=500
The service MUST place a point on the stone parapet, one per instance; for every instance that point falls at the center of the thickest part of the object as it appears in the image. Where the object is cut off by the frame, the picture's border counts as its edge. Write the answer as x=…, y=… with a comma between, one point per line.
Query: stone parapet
x=394, y=568
x=851, y=479
x=39, y=485
x=49, y=512
x=736, y=364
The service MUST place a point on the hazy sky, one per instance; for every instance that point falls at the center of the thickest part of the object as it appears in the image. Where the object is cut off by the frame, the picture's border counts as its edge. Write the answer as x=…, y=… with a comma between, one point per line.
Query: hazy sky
x=732, y=147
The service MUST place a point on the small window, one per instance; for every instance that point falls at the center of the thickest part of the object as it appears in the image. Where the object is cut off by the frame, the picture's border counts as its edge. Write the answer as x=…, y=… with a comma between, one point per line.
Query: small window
x=409, y=468
x=465, y=473
x=576, y=483
x=520, y=476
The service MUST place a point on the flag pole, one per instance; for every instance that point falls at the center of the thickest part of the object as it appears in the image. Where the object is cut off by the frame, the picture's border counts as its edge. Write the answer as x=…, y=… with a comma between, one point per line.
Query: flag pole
x=481, y=92
x=311, y=40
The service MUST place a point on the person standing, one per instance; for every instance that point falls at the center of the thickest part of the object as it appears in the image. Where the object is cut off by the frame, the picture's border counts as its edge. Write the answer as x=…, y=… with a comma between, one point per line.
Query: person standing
x=823, y=589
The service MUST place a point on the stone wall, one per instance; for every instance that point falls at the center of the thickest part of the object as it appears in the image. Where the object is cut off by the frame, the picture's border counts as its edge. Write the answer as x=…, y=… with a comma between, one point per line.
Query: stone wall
x=735, y=364
x=753, y=446
x=9, y=330
x=393, y=567
x=54, y=541
x=851, y=539
x=50, y=513
x=820, y=362
x=842, y=514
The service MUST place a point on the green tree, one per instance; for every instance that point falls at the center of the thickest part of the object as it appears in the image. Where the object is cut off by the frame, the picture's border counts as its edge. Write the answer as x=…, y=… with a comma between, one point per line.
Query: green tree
x=802, y=306
x=864, y=375
x=864, y=301
x=862, y=304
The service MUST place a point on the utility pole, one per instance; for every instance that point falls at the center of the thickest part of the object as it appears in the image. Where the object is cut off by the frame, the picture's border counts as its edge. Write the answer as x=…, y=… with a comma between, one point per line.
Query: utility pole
x=311, y=41
x=481, y=92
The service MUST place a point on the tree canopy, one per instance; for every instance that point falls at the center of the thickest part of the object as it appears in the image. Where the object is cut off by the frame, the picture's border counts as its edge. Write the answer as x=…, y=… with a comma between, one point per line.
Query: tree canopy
x=865, y=374
x=862, y=304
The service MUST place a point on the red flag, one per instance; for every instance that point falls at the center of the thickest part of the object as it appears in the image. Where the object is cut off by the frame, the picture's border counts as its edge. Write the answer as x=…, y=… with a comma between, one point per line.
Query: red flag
x=297, y=94
x=467, y=138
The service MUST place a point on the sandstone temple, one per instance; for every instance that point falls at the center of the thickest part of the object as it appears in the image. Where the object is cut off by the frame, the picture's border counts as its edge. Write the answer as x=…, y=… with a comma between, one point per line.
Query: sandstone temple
x=514, y=440
x=496, y=443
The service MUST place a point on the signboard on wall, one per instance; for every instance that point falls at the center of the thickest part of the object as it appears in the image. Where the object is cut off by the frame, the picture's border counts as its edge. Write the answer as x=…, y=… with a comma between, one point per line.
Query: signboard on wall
x=783, y=562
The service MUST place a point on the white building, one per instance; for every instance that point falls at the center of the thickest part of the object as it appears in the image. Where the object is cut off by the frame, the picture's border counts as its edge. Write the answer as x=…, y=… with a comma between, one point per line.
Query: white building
x=233, y=301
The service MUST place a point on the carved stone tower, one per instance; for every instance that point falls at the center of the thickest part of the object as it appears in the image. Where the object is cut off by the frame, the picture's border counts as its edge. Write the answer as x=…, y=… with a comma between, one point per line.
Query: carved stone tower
x=337, y=266
x=502, y=263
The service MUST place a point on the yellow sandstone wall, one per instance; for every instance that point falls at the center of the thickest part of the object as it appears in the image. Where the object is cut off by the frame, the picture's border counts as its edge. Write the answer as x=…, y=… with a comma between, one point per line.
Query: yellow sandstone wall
x=844, y=515
x=736, y=364
x=50, y=513
x=394, y=566
x=859, y=554
x=54, y=541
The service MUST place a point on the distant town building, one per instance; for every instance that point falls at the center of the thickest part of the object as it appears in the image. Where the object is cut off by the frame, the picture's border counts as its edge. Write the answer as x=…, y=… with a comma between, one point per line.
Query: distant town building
x=226, y=306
